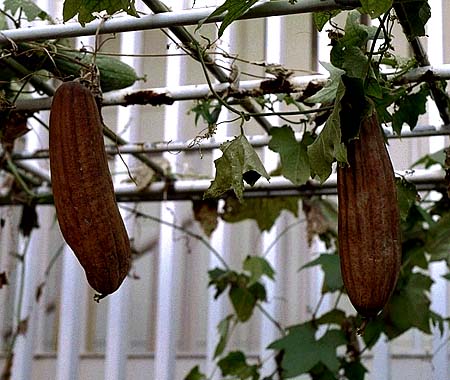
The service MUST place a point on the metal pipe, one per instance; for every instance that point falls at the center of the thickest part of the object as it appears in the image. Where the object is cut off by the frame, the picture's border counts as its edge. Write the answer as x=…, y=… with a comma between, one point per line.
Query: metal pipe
x=189, y=43
x=191, y=145
x=168, y=95
x=165, y=20
x=425, y=73
x=182, y=190
x=165, y=95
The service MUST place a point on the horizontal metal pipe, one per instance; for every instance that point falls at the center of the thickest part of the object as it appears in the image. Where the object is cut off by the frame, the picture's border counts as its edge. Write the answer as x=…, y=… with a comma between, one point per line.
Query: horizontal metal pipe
x=425, y=73
x=165, y=95
x=278, y=186
x=193, y=146
x=165, y=20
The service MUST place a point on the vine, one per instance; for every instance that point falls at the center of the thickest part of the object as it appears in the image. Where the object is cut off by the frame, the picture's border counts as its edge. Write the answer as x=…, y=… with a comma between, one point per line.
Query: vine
x=331, y=345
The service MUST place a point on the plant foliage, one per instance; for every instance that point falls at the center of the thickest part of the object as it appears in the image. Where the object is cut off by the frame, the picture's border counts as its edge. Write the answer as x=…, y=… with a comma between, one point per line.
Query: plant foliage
x=327, y=346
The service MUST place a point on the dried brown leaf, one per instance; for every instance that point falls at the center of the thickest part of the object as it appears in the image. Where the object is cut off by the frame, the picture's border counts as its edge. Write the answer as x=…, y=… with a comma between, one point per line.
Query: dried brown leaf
x=205, y=212
x=3, y=279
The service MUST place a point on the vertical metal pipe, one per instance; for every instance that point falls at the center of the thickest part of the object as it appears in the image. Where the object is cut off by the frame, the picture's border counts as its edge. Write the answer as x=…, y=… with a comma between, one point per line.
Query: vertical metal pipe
x=439, y=304
x=381, y=367
x=268, y=332
x=167, y=317
x=24, y=349
x=119, y=305
x=116, y=351
x=70, y=323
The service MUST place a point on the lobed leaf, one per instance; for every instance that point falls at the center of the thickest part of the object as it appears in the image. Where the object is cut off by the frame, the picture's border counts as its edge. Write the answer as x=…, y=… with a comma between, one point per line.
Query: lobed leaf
x=233, y=9
x=86, y=8
x=29, y=9
x=302, y=352
x=195, y=374
x=332, y=271
x=328, y=145
x=294, y=155
x=258, y=267
x=375, y=8
x=239, y=163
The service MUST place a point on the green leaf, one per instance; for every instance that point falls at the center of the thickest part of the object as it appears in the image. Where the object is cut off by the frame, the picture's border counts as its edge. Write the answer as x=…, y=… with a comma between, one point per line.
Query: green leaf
x=238, y=163
x=258, y=267
x=243, y=302
x=413, y=16
x=375, y=8
x=221, y=279
x=234, y=9
x=406, y=196
x=71, y=9
x=224, y=331
x=321, y=18
x=373, y=331
x=265, y=211
x=334, y=316
x=382, y=105
x=29, y=9
x=208, y=110
x=302, y=352
x=413, y=297
x=408, y=108
x=85, y=8
x=332, y=271
x=438, y=321
x=354, y=370
x=436, y=158
x=328, y=146
x=293, y=154
x=195, y=374
x=320, y=372
x=328, y=93
x=348, y=52
x=438, y=239
x=235, y=364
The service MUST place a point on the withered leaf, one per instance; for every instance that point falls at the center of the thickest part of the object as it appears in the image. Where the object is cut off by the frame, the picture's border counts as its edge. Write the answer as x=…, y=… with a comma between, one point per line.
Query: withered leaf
x=3, y=279
x=22, y=327
x=29, y=219
x=205, y=212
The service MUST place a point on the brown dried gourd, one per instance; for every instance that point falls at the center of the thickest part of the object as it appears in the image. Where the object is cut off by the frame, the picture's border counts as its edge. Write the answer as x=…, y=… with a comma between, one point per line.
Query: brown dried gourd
x=369, y=221
x=83, y=191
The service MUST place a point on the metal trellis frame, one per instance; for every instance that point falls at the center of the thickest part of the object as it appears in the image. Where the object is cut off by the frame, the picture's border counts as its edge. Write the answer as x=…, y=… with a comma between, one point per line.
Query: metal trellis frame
x=158, y=96
x=166, y=20
x=256, y=87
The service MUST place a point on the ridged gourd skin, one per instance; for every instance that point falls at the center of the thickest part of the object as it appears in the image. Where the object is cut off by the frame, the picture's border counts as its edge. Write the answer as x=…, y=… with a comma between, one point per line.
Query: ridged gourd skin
x=83, y=190
x=368, y=221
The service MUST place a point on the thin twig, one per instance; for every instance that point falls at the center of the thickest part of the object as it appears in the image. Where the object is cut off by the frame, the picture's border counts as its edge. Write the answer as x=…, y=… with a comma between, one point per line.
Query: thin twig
x=280, y=235
x=194, y=235
x=270, y=318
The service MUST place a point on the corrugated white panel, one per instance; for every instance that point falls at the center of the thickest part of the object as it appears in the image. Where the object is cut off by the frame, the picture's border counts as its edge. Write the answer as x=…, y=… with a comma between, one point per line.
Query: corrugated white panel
x=119, y=303
x=32, y=276
x=274, y=37
x=168, y=302
x=220, y=240
x=439, y=290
